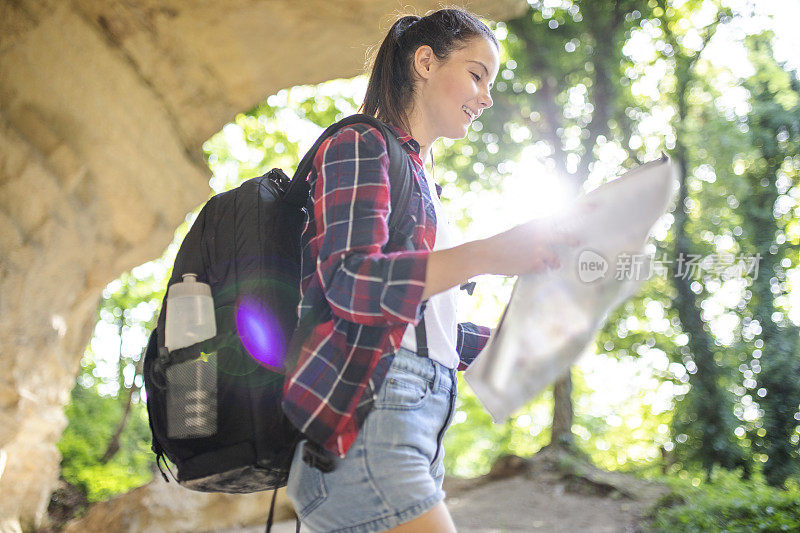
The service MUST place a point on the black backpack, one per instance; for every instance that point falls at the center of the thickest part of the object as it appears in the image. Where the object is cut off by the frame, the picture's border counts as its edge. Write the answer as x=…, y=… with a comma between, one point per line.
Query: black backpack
x=232, y=435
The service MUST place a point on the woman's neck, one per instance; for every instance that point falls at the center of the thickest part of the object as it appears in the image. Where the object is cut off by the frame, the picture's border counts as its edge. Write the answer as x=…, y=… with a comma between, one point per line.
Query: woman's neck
x=419, y=130
x=424, y=153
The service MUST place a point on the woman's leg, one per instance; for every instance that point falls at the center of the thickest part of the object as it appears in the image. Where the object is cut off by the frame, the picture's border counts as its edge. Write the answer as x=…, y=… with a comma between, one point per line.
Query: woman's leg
x=436, y=520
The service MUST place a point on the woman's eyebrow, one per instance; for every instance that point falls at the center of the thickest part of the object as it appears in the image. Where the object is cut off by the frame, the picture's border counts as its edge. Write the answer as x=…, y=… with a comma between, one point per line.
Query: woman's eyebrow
x=486, y=70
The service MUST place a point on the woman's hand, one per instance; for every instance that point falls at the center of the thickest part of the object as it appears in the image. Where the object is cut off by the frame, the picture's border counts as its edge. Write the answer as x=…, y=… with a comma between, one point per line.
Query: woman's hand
x=529, y=247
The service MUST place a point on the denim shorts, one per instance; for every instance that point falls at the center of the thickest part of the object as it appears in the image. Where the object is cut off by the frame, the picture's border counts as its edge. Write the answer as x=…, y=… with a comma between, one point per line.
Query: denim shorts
x=393, y=472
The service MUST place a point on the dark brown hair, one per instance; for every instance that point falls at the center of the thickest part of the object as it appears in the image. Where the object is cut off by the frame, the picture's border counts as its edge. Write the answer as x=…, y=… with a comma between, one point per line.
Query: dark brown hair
x=391, y=84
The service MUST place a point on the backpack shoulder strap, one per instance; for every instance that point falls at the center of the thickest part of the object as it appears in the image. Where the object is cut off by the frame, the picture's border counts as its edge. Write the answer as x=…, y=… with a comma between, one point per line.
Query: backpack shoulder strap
x=400, y=178
x=401, y=182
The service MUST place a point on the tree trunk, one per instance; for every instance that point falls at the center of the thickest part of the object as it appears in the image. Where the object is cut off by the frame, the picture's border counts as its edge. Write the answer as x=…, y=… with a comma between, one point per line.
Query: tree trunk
x=562, y=413
x=707, y=408
x=113, y=444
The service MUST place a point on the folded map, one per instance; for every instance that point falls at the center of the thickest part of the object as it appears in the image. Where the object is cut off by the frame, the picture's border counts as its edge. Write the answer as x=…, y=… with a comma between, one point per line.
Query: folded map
x=552, y=317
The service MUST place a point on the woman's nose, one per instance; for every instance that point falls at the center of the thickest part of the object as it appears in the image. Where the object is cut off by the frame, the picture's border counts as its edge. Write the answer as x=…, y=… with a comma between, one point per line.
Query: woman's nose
x=485, y=100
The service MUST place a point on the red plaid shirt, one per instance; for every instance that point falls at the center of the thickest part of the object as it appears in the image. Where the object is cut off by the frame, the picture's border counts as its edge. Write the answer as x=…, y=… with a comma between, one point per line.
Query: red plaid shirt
x=373, y=288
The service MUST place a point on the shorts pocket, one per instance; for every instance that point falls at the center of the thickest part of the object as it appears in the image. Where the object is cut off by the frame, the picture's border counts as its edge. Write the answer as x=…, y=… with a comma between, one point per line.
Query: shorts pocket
x=403, y=390
x=306, y=485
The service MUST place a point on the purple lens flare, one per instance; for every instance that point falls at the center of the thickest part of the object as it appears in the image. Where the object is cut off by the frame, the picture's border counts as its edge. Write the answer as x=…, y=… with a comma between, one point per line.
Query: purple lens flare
x=260, y=333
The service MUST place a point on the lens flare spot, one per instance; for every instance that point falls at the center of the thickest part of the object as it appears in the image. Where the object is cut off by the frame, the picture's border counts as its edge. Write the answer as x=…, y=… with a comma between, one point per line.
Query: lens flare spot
x=260, y=333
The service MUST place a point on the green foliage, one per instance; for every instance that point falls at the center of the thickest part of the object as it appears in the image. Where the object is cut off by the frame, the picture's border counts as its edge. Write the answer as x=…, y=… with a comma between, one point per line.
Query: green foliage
x=474, y=442
x=92, y=420
x=109, y=379
x=728, y=504
x=774, y=127
x=626, y=435
x=267, y=136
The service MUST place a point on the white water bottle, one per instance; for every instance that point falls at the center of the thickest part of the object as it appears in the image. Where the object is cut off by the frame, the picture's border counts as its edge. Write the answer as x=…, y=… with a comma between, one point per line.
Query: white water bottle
x=190, y=313
x=192, y=383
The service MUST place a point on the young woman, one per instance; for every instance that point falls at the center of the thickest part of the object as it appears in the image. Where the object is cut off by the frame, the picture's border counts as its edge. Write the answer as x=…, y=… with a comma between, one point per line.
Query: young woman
x=372, y=405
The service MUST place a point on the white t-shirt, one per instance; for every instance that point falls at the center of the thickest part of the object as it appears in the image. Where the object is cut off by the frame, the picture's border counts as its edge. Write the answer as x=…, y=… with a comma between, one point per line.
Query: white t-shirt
x=441, y=326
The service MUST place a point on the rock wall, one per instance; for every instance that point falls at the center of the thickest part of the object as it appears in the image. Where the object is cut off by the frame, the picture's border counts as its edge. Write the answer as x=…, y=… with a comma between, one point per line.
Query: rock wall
x=161, y=507
x=104, y=106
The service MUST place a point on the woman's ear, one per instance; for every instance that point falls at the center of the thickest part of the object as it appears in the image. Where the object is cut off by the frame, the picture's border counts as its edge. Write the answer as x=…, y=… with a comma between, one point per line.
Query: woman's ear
x=424, y=59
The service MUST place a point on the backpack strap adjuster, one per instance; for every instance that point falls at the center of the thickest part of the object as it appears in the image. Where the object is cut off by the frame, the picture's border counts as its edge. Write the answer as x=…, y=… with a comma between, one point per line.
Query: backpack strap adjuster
x=317, y=457
x=469, y=287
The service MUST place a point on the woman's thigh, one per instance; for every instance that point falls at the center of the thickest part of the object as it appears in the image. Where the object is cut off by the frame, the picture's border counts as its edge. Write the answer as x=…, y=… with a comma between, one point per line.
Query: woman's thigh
x=437, y=520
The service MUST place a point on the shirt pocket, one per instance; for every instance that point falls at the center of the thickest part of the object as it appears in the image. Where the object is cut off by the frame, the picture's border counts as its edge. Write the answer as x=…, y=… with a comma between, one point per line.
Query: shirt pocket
x=403, y=390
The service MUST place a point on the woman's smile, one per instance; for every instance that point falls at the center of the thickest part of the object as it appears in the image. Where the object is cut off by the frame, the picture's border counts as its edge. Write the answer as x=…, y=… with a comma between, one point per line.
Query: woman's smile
x=472, y=116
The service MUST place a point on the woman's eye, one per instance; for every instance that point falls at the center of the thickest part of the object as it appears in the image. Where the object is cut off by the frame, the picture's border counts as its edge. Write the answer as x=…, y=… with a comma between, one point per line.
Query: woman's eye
x=477, y=78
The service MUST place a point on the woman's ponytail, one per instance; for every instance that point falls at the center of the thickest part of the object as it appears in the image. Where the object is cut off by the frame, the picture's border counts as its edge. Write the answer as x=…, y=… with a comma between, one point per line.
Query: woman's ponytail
x=389, y=89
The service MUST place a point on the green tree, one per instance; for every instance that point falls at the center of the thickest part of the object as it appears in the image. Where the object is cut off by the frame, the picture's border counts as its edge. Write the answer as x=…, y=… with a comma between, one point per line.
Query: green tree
x=771, y=177
x=705, y=417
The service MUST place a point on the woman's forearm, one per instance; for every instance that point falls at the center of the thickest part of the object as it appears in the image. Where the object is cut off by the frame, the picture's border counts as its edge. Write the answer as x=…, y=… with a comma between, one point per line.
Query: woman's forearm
x=526, y=248
x=454, y=266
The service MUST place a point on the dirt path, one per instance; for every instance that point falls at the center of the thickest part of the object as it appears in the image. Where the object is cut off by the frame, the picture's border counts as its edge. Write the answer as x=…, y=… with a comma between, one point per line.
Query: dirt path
x=520, y=504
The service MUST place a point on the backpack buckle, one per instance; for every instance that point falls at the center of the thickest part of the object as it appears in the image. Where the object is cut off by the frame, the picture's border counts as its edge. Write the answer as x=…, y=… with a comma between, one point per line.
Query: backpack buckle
x=317, y=457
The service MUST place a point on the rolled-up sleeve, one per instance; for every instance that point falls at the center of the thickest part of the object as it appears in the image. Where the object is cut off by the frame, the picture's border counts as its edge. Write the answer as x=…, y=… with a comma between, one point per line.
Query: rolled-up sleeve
x=470, y=341
x=351, y=208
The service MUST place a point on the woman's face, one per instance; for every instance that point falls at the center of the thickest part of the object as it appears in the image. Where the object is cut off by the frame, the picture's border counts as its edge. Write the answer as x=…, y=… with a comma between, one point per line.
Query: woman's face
x=452, y=93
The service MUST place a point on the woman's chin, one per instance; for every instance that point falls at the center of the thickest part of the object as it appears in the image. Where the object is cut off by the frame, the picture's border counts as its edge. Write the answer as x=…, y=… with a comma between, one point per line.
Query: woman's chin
x=462, y=130
x=457, y=131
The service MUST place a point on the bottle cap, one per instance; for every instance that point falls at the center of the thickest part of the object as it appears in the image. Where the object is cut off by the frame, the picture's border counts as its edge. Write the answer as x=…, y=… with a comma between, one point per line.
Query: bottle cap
x=189, y=287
